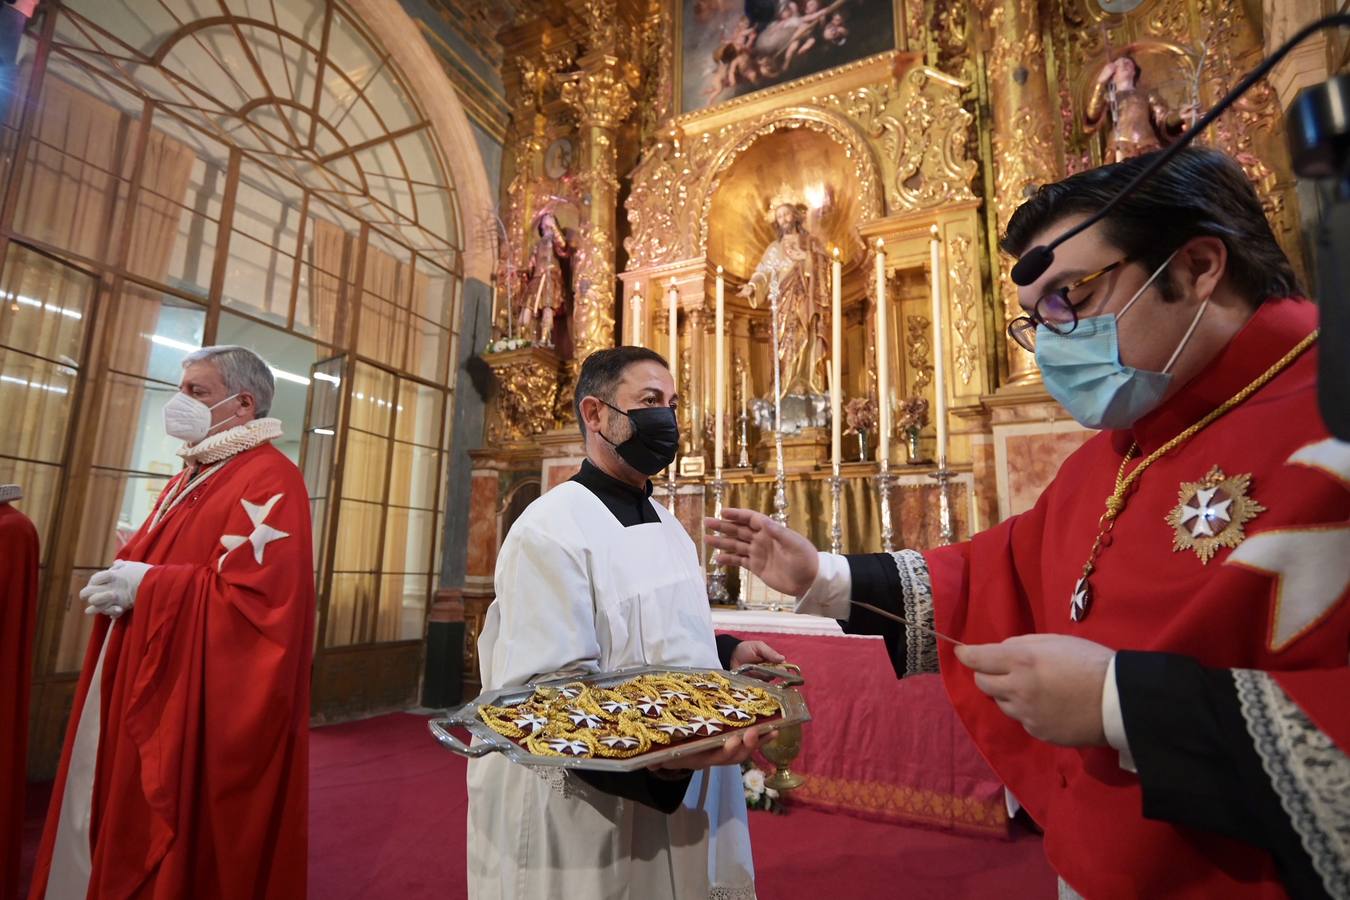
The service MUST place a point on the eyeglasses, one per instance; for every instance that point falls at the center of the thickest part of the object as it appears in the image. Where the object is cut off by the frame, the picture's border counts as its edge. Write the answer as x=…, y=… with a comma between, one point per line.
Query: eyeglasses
x=1054, y=310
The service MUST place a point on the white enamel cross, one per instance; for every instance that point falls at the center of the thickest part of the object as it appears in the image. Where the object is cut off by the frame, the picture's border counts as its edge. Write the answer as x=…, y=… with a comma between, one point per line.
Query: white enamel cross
x=262, y=534
x=1206, y=512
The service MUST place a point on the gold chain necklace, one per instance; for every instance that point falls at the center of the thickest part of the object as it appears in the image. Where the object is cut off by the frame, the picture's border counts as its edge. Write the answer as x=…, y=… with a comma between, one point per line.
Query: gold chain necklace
x=1081, y=601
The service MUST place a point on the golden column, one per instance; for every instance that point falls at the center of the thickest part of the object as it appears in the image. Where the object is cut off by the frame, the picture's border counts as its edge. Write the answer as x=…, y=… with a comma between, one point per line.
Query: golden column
x=601, y=92
x=1022, y=125
x=525, y=144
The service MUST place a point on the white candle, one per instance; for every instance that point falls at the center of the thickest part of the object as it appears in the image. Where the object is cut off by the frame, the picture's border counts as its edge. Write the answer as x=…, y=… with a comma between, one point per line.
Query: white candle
x=492, y=319
x=672, y=297
x=719, y=381
x=883, y=362
x=673, y=357
x=836, y=369
x=637, y=316
x=939, y=365
x=745, y=396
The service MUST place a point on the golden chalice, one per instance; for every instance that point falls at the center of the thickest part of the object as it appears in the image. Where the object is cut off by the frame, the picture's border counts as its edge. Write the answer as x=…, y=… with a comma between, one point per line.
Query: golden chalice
x=786, y=744
x=781, y=751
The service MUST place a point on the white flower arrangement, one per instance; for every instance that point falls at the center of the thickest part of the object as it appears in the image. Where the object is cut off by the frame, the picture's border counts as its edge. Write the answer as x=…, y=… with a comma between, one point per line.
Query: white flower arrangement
x=758, y=795
x=503, y=345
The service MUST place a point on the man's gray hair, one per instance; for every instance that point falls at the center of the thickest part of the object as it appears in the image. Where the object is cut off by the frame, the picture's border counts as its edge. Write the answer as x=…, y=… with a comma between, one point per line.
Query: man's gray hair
x=242, y=370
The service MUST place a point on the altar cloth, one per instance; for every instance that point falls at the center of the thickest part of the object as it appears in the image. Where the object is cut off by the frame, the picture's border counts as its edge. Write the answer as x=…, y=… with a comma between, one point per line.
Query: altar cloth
x=877, y=747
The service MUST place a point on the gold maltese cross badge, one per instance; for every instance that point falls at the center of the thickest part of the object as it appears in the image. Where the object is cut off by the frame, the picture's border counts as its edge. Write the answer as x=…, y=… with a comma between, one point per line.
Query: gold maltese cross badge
x=1211, y=513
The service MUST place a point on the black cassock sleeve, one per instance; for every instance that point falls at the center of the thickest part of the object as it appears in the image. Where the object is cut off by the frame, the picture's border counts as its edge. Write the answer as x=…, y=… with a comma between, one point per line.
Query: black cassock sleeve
x=726, y=645
x=876, y=581
x=643, y=787
x=1197, y=763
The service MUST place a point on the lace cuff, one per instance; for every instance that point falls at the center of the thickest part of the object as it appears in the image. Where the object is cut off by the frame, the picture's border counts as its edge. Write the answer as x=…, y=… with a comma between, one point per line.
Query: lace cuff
x=916, y=601
x=1309, y=773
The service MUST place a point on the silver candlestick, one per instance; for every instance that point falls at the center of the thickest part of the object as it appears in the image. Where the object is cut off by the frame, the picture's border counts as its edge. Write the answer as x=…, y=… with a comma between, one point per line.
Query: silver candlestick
x=744, y=421
x=780, y=504
x=885, y=481
x=717, y=581
x=836, y=527
x=943, y=475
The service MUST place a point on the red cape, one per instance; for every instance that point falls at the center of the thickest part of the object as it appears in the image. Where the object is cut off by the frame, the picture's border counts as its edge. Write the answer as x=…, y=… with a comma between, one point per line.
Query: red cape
x=18, y=615
x=1018, y=577
x=202, y=781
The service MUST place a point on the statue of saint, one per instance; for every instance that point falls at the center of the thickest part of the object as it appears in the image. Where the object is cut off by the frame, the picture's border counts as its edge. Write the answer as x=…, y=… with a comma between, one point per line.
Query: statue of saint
x=799, y=260
x=1140, y=119
x=546, y=285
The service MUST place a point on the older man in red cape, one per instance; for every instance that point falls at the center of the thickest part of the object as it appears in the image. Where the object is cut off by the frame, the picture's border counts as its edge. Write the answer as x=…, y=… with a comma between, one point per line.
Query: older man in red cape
x=185, y=769
x=18, y=613
x=1156, y=652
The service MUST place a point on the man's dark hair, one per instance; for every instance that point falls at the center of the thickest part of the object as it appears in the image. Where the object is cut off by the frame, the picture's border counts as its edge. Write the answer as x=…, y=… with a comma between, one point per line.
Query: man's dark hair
x=603, y=370
x=1199, y=192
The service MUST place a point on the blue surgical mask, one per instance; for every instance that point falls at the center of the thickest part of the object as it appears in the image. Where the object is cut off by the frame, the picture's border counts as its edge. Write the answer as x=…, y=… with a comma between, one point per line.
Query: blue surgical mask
x=1083, y=371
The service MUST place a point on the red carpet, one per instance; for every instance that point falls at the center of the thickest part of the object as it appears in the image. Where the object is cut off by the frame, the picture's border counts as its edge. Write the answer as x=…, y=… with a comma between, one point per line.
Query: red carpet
x=388, y=814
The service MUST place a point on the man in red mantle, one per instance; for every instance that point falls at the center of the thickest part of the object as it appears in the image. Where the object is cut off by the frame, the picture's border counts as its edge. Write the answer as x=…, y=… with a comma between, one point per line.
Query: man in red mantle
x=185, y=767
x=1155, y=659
x=18, y=615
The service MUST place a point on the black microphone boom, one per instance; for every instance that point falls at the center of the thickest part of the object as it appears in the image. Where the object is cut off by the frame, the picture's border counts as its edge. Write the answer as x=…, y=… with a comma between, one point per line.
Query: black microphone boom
x=1034, y=262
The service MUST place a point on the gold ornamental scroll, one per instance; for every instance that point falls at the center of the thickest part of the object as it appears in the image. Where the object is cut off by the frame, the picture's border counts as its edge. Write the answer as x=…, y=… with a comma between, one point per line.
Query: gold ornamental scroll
x=527, y=380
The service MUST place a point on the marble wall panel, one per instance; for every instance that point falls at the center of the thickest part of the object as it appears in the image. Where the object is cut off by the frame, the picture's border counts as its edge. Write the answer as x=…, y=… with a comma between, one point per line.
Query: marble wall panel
x=482, y=551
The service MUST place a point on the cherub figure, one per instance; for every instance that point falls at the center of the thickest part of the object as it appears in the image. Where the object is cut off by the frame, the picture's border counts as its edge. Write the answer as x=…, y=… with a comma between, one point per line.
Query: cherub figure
x=735, y=59
x=804, y=38
x=836, y=32
x=789, y=35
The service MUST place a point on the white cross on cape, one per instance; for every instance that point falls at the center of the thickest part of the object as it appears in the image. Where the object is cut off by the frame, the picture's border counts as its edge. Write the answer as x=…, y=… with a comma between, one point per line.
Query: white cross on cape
x=262, y=534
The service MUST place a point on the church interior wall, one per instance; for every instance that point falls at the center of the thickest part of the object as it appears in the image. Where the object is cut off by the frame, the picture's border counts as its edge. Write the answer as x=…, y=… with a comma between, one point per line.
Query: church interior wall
x=578, y=110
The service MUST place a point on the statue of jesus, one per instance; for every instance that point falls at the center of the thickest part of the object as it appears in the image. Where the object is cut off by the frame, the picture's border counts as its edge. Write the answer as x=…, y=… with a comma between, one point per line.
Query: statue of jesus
x=803, y=269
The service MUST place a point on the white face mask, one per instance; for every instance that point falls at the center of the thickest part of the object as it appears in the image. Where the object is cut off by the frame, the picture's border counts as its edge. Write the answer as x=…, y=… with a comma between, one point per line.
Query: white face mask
x=189, y=419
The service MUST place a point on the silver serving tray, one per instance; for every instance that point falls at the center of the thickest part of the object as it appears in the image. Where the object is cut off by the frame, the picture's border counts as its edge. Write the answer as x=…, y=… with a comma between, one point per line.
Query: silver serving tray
x=485, y=740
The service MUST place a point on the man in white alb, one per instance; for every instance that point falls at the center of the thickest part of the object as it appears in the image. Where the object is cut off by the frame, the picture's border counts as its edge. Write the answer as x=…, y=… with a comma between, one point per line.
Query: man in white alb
x=594, y=576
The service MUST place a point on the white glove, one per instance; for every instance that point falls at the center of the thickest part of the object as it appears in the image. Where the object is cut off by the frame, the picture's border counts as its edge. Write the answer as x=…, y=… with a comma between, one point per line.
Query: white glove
x=113, y=591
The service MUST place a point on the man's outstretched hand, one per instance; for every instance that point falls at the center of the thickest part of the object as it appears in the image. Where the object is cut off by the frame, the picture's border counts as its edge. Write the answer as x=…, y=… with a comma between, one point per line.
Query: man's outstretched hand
x=782, y=558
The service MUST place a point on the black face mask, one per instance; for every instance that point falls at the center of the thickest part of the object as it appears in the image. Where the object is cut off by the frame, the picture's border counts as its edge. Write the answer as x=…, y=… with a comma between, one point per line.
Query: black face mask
x=655, y=439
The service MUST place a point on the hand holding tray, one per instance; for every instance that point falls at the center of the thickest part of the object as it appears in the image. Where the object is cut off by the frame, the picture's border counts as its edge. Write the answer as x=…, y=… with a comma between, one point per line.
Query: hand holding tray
x=624, y=720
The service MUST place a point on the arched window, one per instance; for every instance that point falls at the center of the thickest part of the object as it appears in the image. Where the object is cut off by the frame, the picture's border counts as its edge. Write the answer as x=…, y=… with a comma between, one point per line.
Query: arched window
x=254, y=172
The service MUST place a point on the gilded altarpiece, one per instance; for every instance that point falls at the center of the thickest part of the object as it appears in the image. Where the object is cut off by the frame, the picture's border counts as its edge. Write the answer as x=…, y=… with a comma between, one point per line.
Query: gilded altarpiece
x=981, y=102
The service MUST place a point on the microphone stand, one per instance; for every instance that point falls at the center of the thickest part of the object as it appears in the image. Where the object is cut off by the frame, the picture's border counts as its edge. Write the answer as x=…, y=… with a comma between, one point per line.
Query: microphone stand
x=1035, y=261
x=1333, y=278
x=1319, y=143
